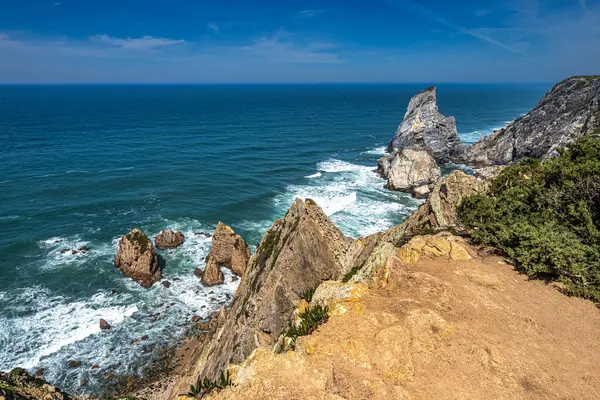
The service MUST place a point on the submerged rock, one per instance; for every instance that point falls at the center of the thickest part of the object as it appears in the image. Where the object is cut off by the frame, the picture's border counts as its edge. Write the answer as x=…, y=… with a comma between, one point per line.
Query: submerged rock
x=408, y=169
x=295, y=254
x=424, y=128
x=567, y=112
x=137, y=259
x=168, y=239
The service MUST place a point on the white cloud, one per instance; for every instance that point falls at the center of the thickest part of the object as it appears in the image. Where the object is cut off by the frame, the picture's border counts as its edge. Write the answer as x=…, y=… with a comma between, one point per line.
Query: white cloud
x=278, y=48
x=57, y=3
x=213, y=27
x=309, y=13
x=142, y=43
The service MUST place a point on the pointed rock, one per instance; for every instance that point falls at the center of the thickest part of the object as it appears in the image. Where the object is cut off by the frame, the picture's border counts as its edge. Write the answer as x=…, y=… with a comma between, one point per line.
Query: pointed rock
x=229, y=249
x=212, y=274
x=295, y=254
x=137, y=259
x=424, y=128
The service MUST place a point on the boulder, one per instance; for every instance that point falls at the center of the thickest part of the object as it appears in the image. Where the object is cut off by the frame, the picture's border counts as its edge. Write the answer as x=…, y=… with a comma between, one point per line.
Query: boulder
x=408, y=169
x=168, y=239
x=567, y=112
x=137, y=259
x=104, y=325
x=421, y=192
x=18, y=384
x=424, y=128
x=295, y=254
x=229, y=249
x=73, y=364
x=212, y=274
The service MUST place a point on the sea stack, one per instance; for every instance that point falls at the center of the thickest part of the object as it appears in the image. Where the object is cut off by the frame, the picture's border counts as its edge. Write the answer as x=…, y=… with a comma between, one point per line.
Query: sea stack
x=424, y=128
x=137, y=259
x=409, y=170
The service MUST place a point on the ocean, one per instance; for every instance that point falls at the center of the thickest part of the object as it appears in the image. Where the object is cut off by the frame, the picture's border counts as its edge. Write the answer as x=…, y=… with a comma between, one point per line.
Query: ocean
x=83, y=165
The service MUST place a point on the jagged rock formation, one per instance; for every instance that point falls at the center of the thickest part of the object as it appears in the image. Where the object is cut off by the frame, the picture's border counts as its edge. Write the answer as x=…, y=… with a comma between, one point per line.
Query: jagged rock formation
x=229, y=250
x=408, y=169
x=212, y=274
x=168, y=239
x=19, y=385
x=296, y=253
x=424, y=128
x=570, y=110
x=136, y=258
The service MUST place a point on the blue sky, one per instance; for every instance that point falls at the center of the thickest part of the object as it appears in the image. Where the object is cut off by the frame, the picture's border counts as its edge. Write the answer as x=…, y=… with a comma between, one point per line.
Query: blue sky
x=260, y=41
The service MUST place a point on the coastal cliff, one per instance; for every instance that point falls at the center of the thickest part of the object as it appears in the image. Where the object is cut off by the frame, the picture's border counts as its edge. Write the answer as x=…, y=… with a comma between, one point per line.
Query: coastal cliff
x=570, y=110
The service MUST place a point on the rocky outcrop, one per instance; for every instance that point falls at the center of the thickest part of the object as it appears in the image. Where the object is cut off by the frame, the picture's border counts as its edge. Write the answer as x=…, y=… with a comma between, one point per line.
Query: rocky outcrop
x=212, y=274
x=20, y=385
x=137, y=259
x=424, y=128
x=168, y=239
x=295, y=254
x=570, y=110
x=229, y=250
x=408, y=169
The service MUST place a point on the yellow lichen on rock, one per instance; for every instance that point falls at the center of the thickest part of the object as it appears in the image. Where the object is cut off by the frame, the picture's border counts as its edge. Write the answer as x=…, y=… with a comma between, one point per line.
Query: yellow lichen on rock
x=335, y=295
x=433, y=246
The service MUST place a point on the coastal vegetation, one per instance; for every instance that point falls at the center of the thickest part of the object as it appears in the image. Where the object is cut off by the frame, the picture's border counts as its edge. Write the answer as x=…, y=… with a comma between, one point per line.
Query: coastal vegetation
x=207, y=386
x=545, y=216
x=309, y=321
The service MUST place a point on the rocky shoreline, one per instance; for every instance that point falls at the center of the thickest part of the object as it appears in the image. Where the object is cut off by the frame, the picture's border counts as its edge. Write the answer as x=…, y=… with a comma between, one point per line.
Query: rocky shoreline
x=304, y=260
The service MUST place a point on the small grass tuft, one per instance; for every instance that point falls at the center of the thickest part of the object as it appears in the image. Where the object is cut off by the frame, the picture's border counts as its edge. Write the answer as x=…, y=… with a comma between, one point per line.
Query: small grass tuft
x=311, y=319
x=308, y=294
x=206, y=386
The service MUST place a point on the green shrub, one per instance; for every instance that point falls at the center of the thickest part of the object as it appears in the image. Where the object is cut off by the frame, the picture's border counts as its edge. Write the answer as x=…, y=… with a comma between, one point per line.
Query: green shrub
x=545, y=215
x=308, y=294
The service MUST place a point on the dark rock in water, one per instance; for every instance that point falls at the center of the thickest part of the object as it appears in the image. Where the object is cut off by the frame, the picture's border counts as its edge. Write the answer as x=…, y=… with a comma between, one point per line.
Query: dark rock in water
x=295, y=254
x=104, y=325
x=168, y=239
x=196, y=318
x=198, y=272
x=136, y=258
x=39, y=372
x=95, y=366
x=73, y=364
x=83, y=382
x=113, y=292
x=424, y=128
x=234, y=278
x=74, y=252
x=407, y=169
x=84, y=249
x=166, y=284
x=20, y=385
x=65, y=251
x=570, y=110
x=203, y=234
x=145, y=337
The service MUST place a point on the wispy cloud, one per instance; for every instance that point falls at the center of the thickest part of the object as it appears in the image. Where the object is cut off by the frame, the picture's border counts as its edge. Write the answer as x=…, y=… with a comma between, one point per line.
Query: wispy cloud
x=57, y=3
x=309, y=13
x=142, y=43
x=213, y=27
x=283, y=47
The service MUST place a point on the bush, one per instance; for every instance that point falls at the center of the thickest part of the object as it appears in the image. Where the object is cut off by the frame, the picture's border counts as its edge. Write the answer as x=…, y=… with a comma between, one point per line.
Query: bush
x=545, y=215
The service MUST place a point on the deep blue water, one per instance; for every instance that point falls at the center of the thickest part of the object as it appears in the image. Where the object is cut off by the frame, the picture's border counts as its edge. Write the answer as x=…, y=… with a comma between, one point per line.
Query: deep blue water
x=82, y=165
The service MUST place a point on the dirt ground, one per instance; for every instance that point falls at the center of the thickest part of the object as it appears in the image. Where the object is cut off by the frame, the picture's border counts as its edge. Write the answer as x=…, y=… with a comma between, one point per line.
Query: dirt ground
x=440, y=329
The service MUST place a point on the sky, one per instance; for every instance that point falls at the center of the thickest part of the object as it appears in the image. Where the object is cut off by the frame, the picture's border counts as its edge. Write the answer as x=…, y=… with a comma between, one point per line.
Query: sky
x=287, y=41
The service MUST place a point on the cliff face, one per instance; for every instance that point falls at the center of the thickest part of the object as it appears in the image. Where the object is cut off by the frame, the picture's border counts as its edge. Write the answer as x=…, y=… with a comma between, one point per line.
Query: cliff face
x=296, y=254
x=570, y=110
x=424, y=128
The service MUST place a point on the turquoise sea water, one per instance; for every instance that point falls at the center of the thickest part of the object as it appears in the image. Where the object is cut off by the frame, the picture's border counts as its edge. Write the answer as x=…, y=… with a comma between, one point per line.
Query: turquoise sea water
x=83, y=165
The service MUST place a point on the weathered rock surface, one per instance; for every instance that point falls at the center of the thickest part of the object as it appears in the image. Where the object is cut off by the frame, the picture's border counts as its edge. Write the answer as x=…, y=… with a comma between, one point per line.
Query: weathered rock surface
x=137, y=259
x=444, y=327
x=408, y=169
x=229, y=249
x=488, y=173
x=20, y=385
x=168, y=239
x=424, y=128
x=212, y=274
x=570, y=110
x=296, y=253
